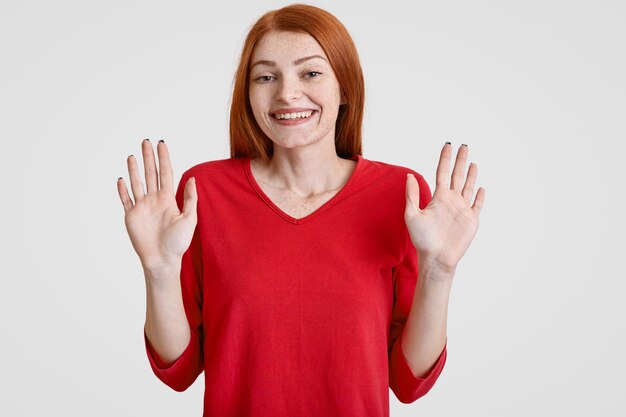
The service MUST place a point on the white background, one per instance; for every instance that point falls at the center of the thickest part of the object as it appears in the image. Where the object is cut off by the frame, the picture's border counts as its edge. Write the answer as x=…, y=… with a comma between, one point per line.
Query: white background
x=535, y=88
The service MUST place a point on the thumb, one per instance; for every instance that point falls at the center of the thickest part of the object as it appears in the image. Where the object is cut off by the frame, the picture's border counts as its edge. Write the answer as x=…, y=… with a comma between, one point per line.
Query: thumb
x=412, y=194
x=190, y=198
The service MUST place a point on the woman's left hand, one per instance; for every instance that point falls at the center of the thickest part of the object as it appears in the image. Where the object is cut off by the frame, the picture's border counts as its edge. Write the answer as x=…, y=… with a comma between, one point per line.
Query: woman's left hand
x=444, y=229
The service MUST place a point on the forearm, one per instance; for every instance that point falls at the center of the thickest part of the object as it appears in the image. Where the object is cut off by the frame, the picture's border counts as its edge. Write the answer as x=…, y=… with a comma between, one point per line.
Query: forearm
x=166, y=327
x=425, y=332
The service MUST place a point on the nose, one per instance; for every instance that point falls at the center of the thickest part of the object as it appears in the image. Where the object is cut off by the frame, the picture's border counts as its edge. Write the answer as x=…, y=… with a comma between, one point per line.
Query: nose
x=288, y=90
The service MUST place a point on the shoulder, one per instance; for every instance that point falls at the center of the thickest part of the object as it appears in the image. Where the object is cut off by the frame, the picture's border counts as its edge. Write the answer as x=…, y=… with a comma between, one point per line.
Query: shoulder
x=214, y=173
x=392, y=179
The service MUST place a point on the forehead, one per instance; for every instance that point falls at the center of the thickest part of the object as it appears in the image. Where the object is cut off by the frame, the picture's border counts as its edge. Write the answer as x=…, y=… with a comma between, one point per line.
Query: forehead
x=276, y=45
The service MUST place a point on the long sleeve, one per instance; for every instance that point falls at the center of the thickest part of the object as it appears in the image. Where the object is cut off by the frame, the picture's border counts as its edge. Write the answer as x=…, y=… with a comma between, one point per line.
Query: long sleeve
x=180, y=374
x=405, y=385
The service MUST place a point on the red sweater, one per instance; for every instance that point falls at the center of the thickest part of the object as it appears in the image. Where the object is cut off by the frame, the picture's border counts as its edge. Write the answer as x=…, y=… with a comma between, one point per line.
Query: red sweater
x=298, y=317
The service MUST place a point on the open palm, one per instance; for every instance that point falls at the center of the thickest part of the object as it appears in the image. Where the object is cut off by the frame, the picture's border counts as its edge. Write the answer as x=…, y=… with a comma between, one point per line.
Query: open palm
x=159, y=232
x=444, y=229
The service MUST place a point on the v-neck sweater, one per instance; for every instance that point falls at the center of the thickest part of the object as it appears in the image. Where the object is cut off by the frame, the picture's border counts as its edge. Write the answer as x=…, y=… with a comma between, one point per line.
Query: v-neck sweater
x=298, y=317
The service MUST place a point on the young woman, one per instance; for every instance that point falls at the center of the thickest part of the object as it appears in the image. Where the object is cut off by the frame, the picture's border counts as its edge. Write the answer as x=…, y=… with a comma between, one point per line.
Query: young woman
x=289, y=272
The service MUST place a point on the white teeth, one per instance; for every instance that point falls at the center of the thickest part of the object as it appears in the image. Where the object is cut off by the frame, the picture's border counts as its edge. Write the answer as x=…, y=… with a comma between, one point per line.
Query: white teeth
x=304, y=114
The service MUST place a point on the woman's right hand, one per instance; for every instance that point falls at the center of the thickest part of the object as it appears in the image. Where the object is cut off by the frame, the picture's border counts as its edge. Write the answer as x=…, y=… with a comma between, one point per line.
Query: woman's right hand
x=159, y=232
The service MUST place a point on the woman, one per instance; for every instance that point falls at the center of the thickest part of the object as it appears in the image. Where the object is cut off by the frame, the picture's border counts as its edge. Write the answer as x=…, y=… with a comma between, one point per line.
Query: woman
x=288, y=272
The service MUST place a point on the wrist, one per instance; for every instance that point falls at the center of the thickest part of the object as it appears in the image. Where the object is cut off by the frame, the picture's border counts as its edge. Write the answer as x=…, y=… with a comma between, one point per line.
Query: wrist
x=433, y=288
x=162, y=271
x=435, y=266
x=432, y=269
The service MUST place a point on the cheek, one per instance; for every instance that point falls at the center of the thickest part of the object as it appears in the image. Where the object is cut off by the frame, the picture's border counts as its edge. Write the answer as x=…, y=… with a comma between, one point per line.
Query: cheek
x=253, y=98
x=331, y=100
x=332, y=94
x=255, y=103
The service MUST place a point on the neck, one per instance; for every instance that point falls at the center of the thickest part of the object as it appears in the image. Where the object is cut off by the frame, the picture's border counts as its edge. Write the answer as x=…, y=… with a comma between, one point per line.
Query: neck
x=306, y=171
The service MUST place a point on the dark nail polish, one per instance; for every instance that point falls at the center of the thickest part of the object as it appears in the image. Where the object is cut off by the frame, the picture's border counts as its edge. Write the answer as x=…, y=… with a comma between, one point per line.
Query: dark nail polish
x=147, y=140
x=129, y=156
x=161, y=141
x=119, y=178
x=448, y=143
x=464, y=145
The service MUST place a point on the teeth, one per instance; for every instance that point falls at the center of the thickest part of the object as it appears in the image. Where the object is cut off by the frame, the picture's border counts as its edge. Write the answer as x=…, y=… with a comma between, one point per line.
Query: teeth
x=303, y=114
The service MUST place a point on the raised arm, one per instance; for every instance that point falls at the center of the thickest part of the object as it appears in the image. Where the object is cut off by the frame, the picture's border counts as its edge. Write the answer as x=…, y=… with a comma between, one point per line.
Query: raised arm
x=441, y=229
x=161, y=225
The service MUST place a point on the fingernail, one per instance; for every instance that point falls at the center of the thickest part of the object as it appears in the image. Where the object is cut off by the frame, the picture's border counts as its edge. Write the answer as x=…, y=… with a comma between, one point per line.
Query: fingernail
x=448, y=143
x=464, y=145
x=146, y=139
x=129, y=156
x=119, y=178
x=161, y=141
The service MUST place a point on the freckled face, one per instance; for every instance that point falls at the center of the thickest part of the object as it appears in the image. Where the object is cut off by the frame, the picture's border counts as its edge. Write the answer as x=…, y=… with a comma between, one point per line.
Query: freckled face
x=293, y=74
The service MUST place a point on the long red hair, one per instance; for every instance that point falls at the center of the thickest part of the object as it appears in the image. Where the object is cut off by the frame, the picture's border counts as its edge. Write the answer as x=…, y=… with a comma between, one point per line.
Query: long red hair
x=246, y=137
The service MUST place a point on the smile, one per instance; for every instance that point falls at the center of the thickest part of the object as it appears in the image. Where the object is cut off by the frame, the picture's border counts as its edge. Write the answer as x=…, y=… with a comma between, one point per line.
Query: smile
x=289, y=119
x=299, y=115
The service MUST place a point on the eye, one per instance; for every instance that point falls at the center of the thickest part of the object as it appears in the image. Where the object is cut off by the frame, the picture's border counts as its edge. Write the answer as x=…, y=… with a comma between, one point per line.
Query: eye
x=313, y=72
x=263, y=78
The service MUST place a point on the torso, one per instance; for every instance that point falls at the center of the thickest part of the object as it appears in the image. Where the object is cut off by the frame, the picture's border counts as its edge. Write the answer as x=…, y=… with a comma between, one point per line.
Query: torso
x=291, y=203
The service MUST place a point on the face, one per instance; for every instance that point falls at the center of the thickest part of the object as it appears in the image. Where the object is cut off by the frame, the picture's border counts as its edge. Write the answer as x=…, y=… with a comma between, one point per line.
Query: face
x=290, y=73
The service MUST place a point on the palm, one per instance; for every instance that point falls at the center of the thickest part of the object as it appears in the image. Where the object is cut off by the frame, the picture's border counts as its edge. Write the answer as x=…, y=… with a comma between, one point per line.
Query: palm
x=159, y=232
x=445, y=228
x=157, y=228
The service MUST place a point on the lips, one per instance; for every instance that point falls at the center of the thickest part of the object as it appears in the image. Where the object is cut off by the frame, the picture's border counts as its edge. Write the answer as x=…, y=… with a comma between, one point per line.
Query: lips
x=290, y=110
x=294, y=118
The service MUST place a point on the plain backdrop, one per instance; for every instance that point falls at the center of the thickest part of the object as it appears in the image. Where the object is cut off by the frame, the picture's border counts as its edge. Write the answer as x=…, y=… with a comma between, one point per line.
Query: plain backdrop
x=535, y=88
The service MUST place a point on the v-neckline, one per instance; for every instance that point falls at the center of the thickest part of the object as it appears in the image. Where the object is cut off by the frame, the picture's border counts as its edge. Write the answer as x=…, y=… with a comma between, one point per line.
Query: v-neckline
x=323, y=207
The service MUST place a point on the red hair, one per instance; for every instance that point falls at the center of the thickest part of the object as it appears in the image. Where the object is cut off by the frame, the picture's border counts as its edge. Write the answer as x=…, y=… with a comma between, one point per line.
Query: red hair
x=246, y=137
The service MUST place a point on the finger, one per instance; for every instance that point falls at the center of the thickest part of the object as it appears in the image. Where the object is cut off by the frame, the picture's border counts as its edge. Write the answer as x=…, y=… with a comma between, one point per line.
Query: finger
x=443, y=169
x=478, y=201
x=123, y=192
x=459, y=168
x=166, y=181
x=412, y=194
x=149, y=165
x=135, y=180
x=190, y=198
x=468, y=189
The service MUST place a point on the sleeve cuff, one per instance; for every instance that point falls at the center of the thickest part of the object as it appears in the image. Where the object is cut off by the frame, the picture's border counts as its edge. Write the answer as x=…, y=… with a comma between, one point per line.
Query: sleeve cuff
x=174, y=373
x=405, y=385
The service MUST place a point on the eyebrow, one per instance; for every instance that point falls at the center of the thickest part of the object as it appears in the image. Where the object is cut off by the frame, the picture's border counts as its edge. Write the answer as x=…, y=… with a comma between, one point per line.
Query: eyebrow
x=296, y=62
